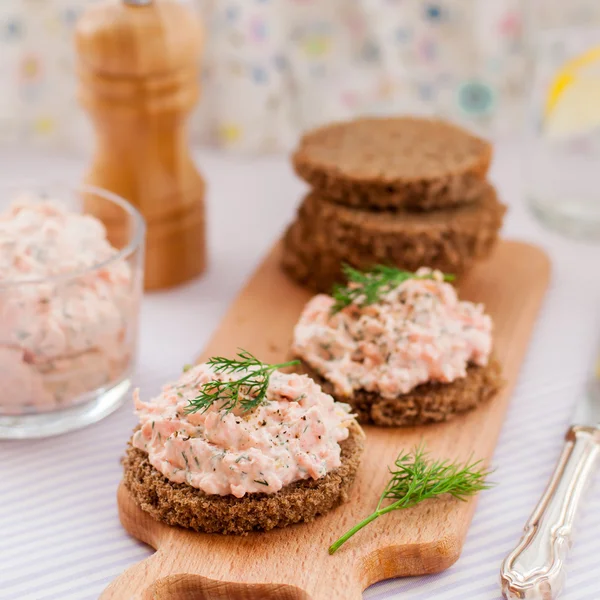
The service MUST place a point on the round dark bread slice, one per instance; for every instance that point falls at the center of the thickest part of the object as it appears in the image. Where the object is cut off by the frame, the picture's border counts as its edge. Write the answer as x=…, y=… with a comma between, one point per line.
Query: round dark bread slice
x=428, y=403
x=182, y=505
x=391, y=163
x=325, y=235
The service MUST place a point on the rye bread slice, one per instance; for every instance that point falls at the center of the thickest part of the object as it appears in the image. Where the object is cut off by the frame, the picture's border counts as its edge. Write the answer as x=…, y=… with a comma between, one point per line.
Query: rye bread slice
x=391, y=163
x=428, y=403
x=325, y=235
x=182, y=505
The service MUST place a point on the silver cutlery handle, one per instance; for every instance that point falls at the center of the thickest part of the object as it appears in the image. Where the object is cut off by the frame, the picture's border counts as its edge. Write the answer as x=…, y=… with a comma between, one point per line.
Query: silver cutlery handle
x=535, y=569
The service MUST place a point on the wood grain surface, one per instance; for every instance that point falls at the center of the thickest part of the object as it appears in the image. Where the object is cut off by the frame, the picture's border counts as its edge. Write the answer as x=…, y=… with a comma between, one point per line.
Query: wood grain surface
x=293, y=563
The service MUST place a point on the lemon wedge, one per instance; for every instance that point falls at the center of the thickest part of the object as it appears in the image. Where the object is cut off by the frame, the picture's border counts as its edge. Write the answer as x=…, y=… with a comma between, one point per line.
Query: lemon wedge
x=573, y=101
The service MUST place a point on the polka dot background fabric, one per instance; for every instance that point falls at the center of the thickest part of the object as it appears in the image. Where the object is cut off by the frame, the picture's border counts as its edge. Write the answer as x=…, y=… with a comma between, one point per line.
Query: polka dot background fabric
x=295, y=63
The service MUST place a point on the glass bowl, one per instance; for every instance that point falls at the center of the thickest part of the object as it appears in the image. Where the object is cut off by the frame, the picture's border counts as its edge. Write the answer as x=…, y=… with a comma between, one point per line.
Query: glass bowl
x=68, y=340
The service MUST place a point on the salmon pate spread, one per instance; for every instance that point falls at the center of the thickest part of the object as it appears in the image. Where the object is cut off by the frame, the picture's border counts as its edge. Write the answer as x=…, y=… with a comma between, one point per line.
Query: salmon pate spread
x=64, y=307
x=415, y=333
x=292, y=435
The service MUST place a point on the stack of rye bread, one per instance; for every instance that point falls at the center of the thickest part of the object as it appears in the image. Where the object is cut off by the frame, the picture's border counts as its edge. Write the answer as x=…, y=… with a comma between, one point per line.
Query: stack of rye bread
x=406, y=192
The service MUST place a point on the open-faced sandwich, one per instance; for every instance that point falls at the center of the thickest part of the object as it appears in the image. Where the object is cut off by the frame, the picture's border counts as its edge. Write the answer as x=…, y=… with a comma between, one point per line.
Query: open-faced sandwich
x=399, y=347
x=236, y=445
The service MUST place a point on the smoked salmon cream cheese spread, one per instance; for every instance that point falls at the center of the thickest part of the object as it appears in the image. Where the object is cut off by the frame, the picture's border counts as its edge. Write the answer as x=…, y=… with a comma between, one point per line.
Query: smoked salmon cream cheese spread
x=416, y=333
x=64, y=315
x=294, y=434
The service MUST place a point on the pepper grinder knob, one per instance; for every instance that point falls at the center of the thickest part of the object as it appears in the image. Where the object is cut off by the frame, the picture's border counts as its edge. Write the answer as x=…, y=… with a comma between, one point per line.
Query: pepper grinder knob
x=138, y=63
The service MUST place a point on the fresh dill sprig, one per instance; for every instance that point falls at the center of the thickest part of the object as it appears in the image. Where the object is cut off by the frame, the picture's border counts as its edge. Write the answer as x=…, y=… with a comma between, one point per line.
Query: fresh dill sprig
x=247, y=392
x=416, y=478
x=367, y=287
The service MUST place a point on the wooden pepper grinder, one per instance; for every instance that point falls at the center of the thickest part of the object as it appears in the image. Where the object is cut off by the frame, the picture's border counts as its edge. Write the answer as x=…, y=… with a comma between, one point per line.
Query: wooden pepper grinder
x=138, y=67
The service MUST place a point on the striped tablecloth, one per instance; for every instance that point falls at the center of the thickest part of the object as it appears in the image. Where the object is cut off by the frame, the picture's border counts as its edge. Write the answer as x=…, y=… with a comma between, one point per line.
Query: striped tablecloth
x=60, y=537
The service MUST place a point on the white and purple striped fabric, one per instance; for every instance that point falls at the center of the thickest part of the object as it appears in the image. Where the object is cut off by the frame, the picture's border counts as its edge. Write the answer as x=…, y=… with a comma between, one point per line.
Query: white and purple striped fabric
x=60, y=537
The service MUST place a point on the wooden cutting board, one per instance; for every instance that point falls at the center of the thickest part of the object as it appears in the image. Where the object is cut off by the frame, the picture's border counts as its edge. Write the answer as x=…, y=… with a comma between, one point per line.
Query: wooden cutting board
x=293, y=563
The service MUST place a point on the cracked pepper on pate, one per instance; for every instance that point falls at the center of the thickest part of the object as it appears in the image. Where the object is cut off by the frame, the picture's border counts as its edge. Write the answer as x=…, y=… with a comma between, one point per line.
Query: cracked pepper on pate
x=63, y=316
x=418, y=332
x=293, y=435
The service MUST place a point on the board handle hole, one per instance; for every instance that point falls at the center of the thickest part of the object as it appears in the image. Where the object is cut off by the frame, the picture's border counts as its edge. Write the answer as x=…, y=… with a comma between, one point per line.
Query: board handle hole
x=196, y=587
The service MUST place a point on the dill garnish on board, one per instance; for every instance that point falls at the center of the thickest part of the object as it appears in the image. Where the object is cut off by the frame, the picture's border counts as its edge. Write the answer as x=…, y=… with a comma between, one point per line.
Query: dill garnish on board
x=415, y=478
x=367, y=287
x=248, y=392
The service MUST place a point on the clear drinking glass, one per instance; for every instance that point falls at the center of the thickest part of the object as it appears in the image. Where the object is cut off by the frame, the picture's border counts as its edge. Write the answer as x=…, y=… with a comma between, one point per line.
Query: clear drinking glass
x=68, y=341
x=562, y=166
